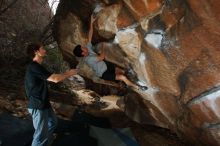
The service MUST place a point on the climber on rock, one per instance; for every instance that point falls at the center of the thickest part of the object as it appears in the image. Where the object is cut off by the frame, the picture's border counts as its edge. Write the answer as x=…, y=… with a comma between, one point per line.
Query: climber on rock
x=102, y=68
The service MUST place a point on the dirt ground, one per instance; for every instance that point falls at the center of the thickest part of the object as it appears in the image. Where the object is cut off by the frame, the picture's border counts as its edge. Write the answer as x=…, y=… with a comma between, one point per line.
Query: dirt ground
x=15, y=120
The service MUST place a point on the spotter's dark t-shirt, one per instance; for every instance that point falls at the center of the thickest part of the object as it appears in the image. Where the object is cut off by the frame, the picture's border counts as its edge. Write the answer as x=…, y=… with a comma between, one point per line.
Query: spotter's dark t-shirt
x=36, y=87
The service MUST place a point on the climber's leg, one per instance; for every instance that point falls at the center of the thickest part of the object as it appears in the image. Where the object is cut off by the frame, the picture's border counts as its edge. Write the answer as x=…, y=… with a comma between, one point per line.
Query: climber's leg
x=123, y=78
x=119, y=71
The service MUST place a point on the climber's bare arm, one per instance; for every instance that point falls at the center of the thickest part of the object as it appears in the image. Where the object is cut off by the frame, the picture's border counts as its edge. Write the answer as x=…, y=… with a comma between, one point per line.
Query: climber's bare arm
x=91, y=28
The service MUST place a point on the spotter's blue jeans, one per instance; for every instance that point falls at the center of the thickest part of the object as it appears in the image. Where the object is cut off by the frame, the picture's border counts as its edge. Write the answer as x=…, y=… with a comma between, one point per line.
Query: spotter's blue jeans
x=44, y=122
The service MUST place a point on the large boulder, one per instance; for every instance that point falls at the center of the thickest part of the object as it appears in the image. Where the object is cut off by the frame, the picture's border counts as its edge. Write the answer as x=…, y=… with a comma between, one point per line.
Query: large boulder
x=171, y=46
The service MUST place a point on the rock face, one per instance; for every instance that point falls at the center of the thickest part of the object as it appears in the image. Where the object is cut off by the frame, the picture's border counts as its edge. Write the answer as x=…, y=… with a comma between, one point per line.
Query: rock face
x=173, y=48
x=21, y=24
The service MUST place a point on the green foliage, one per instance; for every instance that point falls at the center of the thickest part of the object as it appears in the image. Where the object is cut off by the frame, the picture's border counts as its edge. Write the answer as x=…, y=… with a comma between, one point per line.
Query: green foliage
x=54, y=60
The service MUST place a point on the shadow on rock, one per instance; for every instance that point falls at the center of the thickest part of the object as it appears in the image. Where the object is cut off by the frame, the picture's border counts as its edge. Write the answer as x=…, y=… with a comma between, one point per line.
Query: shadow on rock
x=76, y=132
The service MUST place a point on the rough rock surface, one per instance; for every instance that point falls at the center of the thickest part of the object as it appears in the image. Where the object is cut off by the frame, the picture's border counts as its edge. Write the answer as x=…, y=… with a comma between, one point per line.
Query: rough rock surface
x=173, y=48
x=21, y=24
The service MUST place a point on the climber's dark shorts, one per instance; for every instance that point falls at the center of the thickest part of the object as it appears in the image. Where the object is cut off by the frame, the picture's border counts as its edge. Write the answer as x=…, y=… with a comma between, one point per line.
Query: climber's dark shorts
x=109, y=74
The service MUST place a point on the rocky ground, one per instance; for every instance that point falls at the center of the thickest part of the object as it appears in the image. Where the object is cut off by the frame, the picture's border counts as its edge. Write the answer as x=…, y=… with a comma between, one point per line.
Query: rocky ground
x=16, y=126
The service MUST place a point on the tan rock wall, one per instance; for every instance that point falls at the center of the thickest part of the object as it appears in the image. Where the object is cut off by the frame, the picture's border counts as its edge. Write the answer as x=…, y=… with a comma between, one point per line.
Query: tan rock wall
x=173, y=48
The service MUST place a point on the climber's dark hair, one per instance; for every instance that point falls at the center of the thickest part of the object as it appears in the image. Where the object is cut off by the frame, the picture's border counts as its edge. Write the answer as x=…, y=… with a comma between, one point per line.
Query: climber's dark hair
x=77, y=51
x=32, y=48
